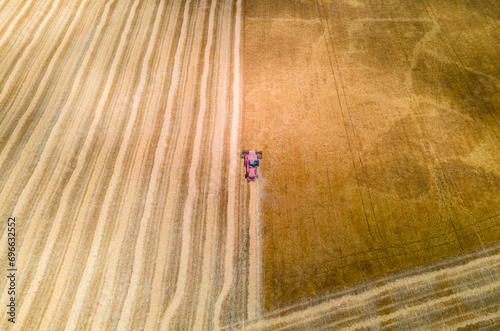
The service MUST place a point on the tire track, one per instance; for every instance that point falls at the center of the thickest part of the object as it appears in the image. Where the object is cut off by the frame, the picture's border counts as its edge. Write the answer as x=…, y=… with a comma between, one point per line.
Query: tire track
x=255, y=252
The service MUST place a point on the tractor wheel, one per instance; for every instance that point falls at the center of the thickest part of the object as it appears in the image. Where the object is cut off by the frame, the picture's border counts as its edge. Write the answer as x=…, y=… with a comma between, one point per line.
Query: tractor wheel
x=246, y=175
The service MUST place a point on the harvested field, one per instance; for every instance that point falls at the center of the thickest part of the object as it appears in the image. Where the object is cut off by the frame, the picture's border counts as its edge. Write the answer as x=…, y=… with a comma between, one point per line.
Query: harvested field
x=121, y=124
x=118, y=119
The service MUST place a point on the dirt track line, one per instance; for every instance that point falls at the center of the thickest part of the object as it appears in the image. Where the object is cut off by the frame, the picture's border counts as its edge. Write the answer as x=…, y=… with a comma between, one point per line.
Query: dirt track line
x=316, y=312
x=234, y=173
x=398, y=276
x=254, y=271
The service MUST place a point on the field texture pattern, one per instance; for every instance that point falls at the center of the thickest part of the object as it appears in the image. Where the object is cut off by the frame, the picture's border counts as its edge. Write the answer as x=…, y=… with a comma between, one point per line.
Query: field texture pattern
x=119, y=156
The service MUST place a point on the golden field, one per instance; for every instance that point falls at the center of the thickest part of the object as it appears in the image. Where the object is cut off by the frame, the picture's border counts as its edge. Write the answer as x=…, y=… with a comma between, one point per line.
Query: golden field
x=380, y=126
x=377, y=205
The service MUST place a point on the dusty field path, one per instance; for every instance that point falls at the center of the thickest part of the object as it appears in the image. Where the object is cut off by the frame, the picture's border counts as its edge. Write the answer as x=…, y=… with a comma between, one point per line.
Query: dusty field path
x=255, y=251
x=119, y=119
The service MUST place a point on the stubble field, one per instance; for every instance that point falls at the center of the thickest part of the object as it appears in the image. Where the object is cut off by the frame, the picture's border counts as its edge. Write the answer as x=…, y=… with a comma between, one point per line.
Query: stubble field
x=118, y=119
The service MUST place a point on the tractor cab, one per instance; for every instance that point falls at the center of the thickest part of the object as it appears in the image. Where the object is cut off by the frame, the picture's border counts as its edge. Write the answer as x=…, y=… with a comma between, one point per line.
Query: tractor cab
x=251, y=163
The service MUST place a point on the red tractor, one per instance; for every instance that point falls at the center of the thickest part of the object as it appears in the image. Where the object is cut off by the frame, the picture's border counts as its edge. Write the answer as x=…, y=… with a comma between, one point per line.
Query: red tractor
x=251, y=163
